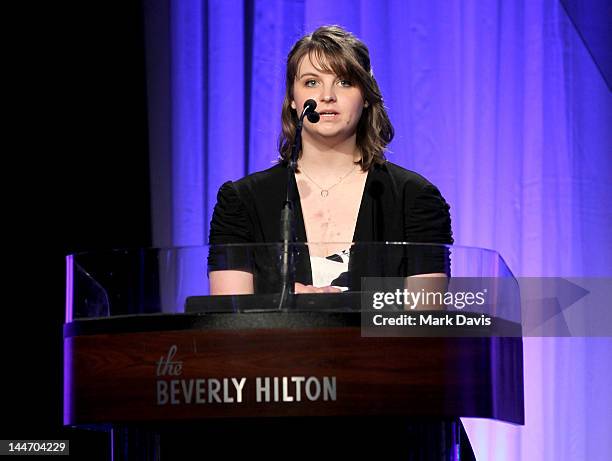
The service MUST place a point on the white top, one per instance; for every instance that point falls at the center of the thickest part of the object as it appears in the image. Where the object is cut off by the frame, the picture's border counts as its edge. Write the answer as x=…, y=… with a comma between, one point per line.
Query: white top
x=326, y=270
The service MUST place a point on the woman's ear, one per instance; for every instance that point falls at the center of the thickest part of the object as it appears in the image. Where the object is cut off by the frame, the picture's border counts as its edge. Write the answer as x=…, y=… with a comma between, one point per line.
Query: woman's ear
x=293, y=106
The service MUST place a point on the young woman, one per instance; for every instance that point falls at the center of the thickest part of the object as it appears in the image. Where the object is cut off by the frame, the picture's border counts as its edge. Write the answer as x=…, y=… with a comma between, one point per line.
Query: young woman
x=348, y=191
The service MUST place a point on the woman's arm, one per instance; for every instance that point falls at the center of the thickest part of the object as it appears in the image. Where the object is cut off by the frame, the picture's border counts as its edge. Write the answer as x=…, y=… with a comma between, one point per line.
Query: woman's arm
x=241, y=283
x=231, y=282
x=429, y=222
x=433, y=286
x=229, y=224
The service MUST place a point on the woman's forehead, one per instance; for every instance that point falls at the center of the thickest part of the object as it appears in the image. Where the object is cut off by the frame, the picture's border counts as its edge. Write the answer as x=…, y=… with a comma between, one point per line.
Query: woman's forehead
x=315, y=63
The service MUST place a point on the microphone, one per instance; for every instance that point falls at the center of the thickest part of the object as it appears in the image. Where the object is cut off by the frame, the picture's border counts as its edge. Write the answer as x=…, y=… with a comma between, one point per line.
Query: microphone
x=309, y=111
x=313, y=117
x=287, y=231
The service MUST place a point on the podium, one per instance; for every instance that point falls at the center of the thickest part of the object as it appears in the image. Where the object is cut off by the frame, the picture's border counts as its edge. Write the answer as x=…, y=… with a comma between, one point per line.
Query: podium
x=230, y=369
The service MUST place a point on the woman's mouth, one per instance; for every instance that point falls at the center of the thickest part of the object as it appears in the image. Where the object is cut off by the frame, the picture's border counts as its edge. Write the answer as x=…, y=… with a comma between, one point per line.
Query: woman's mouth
x=328, y=115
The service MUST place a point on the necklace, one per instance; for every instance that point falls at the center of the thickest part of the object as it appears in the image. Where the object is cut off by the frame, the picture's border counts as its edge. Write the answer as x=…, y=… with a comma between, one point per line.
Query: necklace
x=325, y=190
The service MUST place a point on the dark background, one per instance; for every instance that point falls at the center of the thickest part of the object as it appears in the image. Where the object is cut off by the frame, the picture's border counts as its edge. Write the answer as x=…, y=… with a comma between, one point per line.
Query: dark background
x=75, y=178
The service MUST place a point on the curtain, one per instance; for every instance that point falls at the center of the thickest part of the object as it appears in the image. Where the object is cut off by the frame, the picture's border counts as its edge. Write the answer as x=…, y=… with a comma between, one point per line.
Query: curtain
x=499, y=104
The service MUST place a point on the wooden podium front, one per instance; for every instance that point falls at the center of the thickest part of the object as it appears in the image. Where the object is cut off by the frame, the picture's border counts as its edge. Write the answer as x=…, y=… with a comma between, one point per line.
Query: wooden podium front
x=188, y=370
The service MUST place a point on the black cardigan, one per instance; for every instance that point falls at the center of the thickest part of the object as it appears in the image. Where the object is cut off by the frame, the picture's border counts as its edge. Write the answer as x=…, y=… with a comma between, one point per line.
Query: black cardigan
x=397, y=205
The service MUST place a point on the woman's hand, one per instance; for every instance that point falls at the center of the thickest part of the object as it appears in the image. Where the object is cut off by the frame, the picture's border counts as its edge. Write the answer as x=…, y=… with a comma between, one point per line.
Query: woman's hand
x=301, y=288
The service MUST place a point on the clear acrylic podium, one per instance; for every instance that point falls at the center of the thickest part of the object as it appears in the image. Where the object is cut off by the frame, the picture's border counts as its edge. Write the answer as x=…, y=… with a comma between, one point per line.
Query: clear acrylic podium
x=170, y=371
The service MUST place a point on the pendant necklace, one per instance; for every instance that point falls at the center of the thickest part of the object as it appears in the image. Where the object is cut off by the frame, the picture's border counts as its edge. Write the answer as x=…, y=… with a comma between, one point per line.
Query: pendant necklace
x=325, y=190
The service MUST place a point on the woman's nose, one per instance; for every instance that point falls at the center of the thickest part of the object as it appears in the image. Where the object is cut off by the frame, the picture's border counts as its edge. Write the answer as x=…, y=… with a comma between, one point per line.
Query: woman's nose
x=328, y=94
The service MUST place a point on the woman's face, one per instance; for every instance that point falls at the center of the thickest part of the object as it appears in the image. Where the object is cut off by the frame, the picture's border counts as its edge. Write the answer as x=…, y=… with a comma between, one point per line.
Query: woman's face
x=339, y=101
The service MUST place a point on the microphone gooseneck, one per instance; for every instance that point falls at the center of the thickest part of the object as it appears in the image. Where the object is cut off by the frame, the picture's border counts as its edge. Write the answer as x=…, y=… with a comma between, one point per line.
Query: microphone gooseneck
x=287, y=231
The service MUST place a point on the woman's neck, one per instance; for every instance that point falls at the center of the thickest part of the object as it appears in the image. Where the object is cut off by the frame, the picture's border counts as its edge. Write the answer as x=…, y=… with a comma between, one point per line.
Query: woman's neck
x=329, y=159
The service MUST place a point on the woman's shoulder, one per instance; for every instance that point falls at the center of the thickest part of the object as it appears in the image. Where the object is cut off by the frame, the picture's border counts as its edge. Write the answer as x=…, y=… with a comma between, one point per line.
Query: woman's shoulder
x=263, y=179
x=402, y=177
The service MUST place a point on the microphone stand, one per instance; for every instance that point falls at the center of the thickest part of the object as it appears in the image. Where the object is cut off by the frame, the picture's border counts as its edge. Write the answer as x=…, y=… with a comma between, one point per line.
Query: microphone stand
x=288, y=210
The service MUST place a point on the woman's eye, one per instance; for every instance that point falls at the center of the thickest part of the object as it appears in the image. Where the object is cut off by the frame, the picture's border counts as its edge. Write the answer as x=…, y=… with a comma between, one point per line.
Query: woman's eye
x=310, y=83
x=345, y=83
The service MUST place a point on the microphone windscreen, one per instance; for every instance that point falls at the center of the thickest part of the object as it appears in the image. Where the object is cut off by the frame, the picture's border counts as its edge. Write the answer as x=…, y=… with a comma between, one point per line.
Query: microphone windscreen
x=313, y=117
x=311, y=104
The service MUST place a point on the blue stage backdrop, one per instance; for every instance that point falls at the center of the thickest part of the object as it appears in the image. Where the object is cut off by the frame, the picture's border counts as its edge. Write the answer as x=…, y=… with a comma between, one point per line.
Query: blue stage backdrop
x=500, y=104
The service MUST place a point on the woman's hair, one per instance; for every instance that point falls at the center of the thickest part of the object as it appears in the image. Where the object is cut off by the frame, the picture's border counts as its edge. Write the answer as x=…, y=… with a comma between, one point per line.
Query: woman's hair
x=338, y=51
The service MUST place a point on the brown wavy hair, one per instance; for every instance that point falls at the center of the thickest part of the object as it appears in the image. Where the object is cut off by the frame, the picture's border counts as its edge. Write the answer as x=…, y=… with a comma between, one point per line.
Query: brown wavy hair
x=337, y=50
